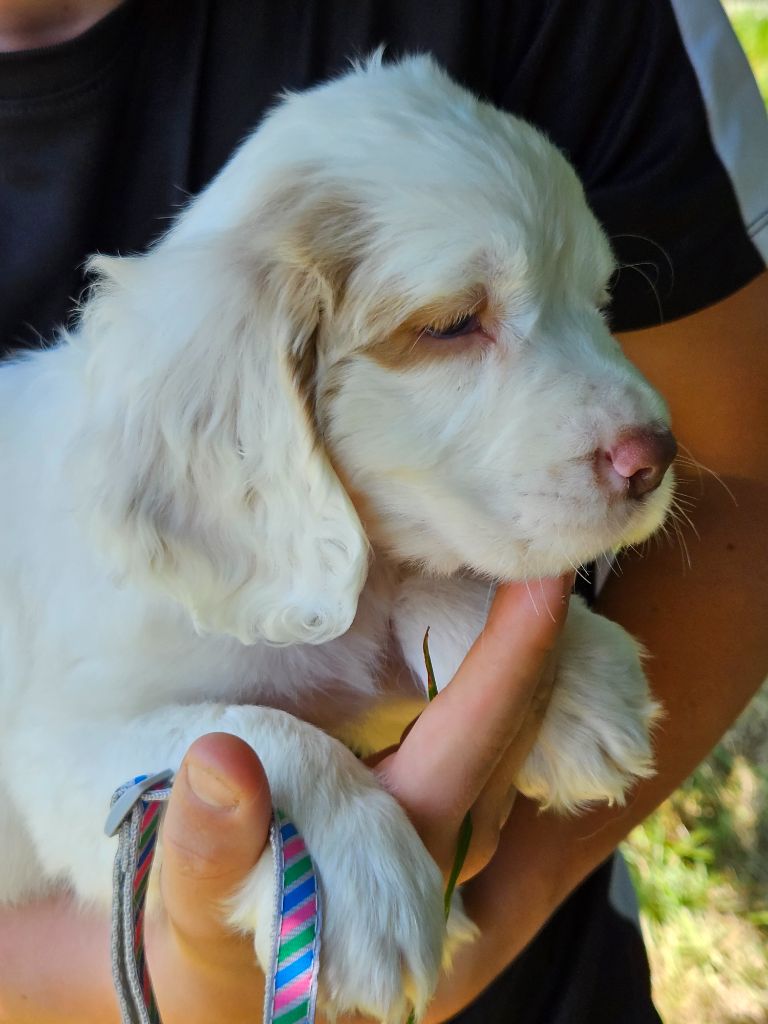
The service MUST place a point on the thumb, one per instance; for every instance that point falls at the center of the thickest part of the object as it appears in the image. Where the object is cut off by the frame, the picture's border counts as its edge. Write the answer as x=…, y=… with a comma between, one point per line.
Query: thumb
x=215, y=830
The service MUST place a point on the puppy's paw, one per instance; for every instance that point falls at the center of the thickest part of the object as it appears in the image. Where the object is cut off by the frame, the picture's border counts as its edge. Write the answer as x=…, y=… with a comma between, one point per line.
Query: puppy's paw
x=461, y=930
x=595, y=740
x=383, y=931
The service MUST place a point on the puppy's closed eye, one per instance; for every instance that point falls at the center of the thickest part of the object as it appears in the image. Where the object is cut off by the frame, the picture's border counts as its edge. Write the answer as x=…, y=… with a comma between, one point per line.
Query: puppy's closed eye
x=460, y=328
x=444, y=329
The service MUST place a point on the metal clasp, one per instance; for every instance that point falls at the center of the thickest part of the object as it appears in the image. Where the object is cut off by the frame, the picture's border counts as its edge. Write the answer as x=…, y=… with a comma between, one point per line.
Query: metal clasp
x=127, y=796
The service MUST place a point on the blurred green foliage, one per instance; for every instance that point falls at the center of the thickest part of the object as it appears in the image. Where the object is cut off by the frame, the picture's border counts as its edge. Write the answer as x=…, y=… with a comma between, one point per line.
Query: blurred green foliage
x=752, y=29
x=700, y=866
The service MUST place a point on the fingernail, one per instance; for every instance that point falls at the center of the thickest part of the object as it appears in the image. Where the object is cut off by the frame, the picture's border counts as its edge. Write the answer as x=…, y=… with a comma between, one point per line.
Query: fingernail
x=210, y=788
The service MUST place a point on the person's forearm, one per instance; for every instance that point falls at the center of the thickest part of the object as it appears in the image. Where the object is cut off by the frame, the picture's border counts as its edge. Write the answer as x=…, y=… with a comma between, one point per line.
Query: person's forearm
x=704, y=672
x=704, y=624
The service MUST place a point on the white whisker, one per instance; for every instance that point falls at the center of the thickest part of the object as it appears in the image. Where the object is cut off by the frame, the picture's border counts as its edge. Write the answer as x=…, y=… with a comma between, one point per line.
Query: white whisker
x=701, y=468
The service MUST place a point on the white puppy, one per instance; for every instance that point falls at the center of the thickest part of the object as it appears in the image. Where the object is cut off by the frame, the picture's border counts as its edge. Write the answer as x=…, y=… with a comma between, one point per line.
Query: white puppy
x=393, y=285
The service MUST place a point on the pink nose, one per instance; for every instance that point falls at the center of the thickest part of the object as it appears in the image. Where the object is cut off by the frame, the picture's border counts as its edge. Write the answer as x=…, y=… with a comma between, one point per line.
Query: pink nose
x=641, y=457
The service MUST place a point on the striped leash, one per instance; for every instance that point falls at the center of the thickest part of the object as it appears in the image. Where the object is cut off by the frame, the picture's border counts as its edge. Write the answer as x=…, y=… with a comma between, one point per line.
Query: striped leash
x=290, y=992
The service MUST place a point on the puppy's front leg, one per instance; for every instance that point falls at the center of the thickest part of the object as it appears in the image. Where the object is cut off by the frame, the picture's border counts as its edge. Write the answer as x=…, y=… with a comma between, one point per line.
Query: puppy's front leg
x=595, y=740
x=383, y=931
x=595, y=737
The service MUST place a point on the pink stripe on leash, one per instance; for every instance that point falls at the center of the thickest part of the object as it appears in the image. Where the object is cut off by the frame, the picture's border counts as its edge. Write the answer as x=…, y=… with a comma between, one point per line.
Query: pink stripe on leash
x=294, y=847
x=298, y=917
x=291, y=992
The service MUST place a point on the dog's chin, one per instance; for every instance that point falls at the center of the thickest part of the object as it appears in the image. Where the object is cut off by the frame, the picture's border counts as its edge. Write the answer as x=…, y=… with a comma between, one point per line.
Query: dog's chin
x=605, y=542
x=564, y=546
x=650, y=516
x=494, y=549
x=561, y=550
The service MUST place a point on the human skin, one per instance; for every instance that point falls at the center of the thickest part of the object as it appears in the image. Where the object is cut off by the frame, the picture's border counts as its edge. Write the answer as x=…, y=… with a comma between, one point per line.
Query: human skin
x=216, y=826
x=29, y=24
x=705, y=627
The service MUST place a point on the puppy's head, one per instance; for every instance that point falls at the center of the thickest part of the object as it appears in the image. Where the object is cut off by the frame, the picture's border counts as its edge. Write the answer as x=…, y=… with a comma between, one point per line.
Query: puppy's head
x=472, y=397
x=391, y=282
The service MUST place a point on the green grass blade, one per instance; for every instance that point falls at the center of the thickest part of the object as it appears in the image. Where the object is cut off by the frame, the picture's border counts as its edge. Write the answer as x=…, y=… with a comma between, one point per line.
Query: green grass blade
x=462, y=846
x=431, y=684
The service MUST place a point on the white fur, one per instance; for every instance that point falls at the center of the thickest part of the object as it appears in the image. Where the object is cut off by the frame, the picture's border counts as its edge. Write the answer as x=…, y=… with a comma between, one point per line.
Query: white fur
x=179, y=555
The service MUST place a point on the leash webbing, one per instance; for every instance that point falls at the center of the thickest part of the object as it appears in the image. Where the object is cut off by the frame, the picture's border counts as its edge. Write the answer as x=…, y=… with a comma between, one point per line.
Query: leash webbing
x=291, y=983
x=290, y=992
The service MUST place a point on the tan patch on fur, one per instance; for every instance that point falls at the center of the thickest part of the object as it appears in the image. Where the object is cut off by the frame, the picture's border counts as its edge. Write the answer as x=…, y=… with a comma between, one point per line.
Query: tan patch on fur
x=409, y=346
x=302, y=363
x=319, y=228
x=363, y=505
x=328, y=239
x=317, y=232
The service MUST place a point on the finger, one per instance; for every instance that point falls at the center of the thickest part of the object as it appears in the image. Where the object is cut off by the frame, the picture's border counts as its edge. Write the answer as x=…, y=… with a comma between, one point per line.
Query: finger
x=494, y=805
x=454, y=747
x=215, y=830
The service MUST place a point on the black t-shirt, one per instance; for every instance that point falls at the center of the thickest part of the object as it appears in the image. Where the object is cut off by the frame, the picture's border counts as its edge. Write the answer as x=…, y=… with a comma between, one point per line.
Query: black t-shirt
x=104, y=137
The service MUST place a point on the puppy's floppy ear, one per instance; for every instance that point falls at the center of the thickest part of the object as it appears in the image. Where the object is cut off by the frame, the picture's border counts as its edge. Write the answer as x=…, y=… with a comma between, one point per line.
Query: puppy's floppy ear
x=199, y=457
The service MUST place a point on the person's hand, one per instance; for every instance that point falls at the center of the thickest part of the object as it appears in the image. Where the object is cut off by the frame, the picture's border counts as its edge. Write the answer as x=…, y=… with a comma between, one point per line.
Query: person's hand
x=461, y=754
x=55, y=956
x=464, y=751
